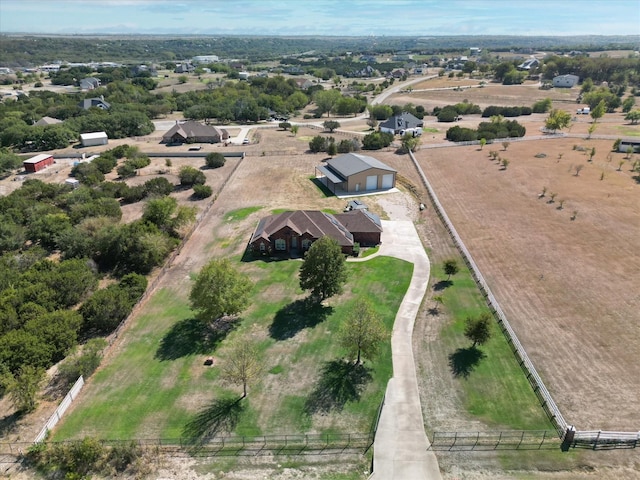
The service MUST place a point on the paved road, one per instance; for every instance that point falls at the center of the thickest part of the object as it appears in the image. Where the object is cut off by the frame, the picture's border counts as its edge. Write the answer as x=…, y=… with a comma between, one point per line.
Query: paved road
x=400, y=450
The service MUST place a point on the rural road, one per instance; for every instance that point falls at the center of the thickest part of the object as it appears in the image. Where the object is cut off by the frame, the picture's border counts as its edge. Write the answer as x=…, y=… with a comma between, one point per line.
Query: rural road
x=401, y=447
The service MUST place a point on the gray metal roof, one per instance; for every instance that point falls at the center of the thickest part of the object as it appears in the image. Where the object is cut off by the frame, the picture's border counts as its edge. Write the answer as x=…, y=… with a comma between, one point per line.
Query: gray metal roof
x=352, y=163
x=333, y=178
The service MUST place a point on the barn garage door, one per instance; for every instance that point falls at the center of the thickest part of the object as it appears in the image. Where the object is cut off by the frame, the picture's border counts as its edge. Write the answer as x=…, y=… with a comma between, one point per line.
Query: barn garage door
x=372, y=182
x=387, y=180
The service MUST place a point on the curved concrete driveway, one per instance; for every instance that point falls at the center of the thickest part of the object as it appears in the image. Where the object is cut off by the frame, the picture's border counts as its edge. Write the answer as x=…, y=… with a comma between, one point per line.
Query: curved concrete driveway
x=400, y=450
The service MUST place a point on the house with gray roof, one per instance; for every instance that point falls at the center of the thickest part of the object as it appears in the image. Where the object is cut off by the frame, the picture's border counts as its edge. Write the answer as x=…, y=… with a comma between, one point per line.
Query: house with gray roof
x=89, y=83
x=97, y=102
x=194, y=132
x=44, y=121
x=353, y=173
x=399, y=123
x=565, y=81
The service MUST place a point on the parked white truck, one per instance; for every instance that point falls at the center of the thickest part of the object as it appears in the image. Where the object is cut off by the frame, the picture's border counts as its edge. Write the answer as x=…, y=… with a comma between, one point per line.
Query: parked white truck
x=584, y=111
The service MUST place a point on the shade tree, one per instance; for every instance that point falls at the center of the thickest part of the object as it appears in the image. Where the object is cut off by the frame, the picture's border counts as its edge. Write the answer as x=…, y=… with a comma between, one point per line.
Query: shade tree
x=219, y=290
x=323, y=271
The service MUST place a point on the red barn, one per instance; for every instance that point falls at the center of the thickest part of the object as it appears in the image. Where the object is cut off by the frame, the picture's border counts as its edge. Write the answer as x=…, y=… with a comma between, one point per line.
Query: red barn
x=37, y=163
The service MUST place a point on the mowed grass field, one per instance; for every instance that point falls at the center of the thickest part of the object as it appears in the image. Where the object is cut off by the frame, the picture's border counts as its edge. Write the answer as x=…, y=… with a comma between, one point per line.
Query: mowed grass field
x=155, y=382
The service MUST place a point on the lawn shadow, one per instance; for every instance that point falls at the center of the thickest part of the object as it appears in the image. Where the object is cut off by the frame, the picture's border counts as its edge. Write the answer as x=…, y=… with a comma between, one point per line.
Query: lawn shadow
x=340, y=382
x=464, y=360
x=192, y=336
x=290, y=319
x=442, y=284
x=322, y=187
x=219, y=417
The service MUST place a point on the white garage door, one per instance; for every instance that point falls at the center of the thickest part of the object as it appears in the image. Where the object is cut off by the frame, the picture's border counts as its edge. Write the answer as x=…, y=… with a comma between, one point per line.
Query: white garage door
x=387, y=180
x=372, y=182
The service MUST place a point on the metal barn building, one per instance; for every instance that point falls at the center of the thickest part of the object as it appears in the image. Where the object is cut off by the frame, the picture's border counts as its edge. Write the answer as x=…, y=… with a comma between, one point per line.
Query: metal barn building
x=92, y=139
x=37, y=163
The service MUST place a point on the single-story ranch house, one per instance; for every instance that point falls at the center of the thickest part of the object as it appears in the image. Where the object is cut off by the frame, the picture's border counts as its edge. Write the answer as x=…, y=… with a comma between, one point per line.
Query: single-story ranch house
x=194, y=132
x=353, y=173
x=399, y=123
x=294, y=232
x=565, y=81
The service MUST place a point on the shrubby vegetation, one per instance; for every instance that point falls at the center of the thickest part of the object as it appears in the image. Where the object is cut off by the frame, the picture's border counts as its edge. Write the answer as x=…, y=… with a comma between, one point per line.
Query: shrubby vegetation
x=497, y=128
x=377, y=140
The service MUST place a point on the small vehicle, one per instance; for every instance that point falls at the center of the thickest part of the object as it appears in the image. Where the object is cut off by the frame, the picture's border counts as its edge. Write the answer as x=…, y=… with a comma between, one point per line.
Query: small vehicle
x=583, y=111
x=195, y=149
x=246, y=141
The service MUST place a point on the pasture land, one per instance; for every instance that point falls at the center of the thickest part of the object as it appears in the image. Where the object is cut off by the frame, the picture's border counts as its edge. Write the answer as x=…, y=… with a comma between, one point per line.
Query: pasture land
x=569, y=287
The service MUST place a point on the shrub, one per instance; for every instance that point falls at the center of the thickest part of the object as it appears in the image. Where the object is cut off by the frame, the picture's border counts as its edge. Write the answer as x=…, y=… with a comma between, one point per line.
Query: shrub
x=447, y=114
x=133, y=194
x=215, y=160
x=159, y=186
x=377, y=140
x=190, y=176
x=318, y=144
x=202, y=191
x=459, y=134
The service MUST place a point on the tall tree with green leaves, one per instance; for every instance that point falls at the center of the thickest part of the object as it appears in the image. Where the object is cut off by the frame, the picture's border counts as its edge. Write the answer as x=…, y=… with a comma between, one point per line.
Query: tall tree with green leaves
x=363, y=331
x=219, y=290
x=557, y=120
x=324, y=270
x=326, y=100
x=598, y=112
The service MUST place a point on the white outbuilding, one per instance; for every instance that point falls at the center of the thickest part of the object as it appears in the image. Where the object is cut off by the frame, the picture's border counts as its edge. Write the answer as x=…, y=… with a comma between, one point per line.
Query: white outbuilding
x=94, y=138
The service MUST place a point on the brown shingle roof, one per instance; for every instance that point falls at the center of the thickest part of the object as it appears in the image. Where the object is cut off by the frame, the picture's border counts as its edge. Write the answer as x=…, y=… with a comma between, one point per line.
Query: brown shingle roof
x=315, y=223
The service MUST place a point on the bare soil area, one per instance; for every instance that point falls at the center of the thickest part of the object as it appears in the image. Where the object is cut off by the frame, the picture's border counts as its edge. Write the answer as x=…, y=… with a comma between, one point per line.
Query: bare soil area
x=569, y=287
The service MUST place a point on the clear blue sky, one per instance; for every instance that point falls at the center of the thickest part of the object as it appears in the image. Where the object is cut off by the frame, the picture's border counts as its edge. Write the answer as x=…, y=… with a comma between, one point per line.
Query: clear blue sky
x=323, y=17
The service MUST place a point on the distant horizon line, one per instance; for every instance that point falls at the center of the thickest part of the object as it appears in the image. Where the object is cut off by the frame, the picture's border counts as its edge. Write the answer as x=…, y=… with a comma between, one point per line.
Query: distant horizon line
x=102, y=34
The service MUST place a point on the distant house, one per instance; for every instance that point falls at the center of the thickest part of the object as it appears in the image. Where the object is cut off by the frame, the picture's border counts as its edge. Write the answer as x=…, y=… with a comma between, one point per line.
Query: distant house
x=368, y=58
x=303, y=83
x=89, y=83
x=97, y=102
x=529, y=64
x=352, y=173
x=44, y=121
x=37, y=163
x=198, y=59
x=565, y=81
x=194, y=132
x=296, y=231
x=94, y=138
x=401, y=122
x=184, y=68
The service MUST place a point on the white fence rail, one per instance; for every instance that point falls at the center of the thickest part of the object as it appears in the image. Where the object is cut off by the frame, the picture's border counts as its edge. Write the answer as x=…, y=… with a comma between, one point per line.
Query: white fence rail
x=64, y=404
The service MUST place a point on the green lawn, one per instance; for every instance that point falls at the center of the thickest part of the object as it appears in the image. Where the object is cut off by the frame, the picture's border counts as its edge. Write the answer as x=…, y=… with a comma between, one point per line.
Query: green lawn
x=155, y=383
x=494, y=386
x=240, y=214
